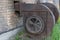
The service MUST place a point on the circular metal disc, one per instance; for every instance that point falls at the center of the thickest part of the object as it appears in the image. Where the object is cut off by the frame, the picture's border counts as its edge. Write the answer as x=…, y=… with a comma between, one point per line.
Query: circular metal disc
x=34, y=24
x=54, y=9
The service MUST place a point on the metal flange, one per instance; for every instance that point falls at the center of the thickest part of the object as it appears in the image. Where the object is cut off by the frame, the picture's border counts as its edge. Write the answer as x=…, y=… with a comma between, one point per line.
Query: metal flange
x=54, y=9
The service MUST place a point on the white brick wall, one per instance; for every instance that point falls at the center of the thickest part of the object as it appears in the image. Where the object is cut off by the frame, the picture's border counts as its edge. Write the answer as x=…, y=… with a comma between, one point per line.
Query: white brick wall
x=6, y=15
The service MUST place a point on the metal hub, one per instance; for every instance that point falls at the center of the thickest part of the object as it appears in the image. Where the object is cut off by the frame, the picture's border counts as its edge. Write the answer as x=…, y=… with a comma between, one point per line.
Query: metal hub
x=34, y=24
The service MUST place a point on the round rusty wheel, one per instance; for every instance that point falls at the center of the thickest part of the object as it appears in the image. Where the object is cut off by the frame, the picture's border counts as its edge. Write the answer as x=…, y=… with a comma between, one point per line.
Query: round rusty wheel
x=54, y=9
x=38, y=20
x=34, y=24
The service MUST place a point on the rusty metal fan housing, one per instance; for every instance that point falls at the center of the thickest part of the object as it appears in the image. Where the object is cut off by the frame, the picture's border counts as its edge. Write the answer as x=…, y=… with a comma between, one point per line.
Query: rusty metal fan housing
x=38, y=19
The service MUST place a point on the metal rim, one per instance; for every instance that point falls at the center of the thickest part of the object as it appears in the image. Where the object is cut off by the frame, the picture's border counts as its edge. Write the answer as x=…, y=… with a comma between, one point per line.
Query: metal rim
x=34, y=24
x=53, y=17
x=56, y=14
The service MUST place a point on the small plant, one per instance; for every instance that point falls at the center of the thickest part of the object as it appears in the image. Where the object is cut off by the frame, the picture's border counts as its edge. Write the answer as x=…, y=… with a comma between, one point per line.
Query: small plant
x=56, y=31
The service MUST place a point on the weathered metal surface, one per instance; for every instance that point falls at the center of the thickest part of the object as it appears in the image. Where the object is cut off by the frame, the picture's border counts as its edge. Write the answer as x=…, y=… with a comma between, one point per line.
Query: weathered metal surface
x=54, y=9
x=34, y=24
x=41, y=11
x=38, y=10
